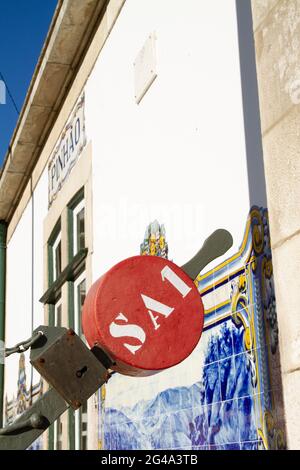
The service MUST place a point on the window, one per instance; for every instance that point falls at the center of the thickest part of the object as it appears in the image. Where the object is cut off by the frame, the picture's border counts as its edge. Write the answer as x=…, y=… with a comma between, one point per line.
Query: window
x=54, y=254
x=57, y=313
x=76, y=224
x=78, y=228
x=79, y=297
x=56, y=257
x=58, y=431
x=81, y=414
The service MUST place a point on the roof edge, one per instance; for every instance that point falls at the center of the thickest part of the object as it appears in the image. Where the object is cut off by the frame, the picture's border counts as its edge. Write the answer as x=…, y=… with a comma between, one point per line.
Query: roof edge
x=70, y=34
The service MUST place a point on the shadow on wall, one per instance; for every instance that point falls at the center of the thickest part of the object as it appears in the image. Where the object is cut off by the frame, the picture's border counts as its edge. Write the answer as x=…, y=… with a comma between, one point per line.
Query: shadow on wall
x=252, y=125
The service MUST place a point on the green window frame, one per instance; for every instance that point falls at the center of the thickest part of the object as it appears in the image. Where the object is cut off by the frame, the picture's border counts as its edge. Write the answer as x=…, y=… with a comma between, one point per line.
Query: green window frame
x=76, y=224
x=77, y=419
x=77, y=253
x=81, y=414
x=57, y=425
x=54, y=254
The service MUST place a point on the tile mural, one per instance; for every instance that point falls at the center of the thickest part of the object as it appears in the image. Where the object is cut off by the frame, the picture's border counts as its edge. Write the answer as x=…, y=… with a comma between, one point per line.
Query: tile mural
x=25, y=397
x=227, y=394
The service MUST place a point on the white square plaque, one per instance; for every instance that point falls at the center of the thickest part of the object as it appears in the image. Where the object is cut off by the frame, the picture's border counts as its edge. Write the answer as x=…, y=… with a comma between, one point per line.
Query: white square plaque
x=145, y=68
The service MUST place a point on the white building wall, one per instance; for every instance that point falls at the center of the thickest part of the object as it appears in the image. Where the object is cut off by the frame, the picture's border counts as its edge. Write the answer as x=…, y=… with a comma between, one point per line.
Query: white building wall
x=178, y=156
x=40, y=201
x=18, y=296
x=25, y=274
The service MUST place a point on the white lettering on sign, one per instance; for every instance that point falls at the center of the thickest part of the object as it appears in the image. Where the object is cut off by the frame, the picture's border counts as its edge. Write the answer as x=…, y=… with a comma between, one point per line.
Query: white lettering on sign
x=135, y=331
x=131, y=330
x=67, y=150
x=176, y=281
x=158, y=307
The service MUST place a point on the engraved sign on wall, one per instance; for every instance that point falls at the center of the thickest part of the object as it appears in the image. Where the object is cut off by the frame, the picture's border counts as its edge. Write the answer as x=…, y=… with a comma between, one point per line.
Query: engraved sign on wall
x=67, y=150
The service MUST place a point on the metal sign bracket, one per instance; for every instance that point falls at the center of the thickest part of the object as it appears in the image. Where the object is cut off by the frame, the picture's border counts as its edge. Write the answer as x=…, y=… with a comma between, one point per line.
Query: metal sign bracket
x=73, y=370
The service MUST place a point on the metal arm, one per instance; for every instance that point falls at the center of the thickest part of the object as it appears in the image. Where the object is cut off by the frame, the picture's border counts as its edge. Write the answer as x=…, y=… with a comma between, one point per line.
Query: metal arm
x=214, y=246
x=75, y=373
x=33, y=422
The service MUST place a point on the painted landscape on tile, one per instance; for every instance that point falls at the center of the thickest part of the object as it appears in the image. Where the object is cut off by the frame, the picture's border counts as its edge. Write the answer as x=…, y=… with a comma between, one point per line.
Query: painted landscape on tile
x=231, y=400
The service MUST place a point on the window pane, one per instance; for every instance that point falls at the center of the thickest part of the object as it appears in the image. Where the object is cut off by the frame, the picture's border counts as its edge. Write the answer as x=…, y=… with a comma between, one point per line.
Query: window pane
x=58, y=433
x=58, y=260
x=84, y=426
x=58, y=316
x=81, y=293
x=80, y=230
x=84, y=443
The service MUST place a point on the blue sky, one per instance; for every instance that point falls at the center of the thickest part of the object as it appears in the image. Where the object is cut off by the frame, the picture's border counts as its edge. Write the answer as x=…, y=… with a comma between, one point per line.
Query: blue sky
x=23, y=29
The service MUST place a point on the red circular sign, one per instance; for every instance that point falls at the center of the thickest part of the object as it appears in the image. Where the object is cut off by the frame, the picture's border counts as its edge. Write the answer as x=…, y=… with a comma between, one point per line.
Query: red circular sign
x=146, y=313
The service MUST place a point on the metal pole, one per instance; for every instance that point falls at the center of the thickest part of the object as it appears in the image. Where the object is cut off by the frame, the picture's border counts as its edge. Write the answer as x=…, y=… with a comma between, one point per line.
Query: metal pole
x=67, y=364
x=3, y=231
x=33, y=422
